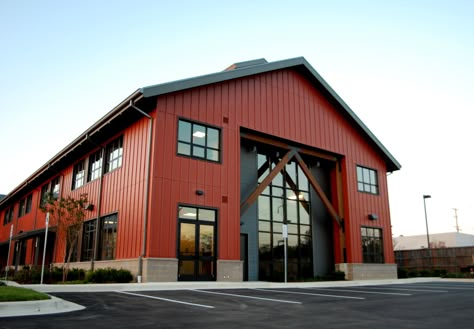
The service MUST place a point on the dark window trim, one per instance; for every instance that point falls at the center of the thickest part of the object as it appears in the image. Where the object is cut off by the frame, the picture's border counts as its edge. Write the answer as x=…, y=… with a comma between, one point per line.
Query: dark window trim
x=371, y=184
x=101, y=236
x=8, y=215
x=366, y=256
x=207, y=125
x=90, y=163
x=75, y=172
x=106, y=162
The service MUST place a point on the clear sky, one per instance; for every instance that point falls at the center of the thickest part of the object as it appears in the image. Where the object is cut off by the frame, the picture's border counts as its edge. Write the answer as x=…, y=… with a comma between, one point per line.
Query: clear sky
x=404, y=67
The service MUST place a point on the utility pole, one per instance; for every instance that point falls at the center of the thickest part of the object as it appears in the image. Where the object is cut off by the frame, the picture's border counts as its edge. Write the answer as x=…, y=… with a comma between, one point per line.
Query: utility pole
x=456, y=217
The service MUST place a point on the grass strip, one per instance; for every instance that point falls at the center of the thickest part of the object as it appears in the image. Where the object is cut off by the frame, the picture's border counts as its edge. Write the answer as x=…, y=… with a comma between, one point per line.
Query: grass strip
x=18, y=294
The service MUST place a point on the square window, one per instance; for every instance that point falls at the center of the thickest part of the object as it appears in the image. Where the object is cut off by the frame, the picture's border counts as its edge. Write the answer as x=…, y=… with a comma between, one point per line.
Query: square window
x=367, y=180
x=198, y=141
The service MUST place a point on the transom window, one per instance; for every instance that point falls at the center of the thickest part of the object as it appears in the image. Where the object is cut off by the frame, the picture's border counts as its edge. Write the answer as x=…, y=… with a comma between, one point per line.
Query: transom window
x=78, y=175
x=198, y=141
x=372, y=245
x=114, y=154
x=367, y=180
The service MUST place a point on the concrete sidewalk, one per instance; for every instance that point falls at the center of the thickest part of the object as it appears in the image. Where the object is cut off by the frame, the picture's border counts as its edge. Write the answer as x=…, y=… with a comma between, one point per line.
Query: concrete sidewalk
x=57, y=305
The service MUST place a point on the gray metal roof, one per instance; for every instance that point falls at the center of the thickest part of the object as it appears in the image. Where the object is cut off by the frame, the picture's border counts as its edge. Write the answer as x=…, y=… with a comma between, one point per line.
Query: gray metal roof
x=249, y=68
x=123, y=114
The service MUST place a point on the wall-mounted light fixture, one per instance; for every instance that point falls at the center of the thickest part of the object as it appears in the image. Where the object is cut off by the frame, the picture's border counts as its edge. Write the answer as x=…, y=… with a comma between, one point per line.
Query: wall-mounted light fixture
x=89, y=207
x=373, y=216
x=199, y=192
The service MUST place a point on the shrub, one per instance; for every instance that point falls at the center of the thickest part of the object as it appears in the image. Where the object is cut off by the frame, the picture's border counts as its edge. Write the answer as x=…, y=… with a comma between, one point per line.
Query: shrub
x=109, y=275
x=402, y=273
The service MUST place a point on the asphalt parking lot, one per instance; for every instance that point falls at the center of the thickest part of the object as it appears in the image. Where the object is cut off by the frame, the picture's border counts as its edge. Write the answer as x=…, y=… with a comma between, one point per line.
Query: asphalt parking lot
x=416, y=305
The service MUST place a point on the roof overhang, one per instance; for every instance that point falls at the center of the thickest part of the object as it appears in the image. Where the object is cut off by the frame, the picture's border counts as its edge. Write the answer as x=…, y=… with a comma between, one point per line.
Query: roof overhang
x=123, y=115
x=261, y=66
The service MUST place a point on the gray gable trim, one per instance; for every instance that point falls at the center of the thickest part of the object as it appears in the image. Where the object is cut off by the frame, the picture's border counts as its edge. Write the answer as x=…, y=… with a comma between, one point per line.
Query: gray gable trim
x=260, y=66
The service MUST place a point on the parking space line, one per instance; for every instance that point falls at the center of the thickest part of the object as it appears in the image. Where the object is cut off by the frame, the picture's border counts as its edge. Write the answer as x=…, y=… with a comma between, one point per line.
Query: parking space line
x=245, y=296
x=308, y=293
x=405, y=289
x=364, y=292
x=164, y=299
x=443, y=287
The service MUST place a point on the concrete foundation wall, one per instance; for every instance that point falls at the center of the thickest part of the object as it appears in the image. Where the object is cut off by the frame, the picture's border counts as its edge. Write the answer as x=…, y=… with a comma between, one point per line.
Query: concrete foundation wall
x=160, y=270
x=368, y=271
x=230, y=270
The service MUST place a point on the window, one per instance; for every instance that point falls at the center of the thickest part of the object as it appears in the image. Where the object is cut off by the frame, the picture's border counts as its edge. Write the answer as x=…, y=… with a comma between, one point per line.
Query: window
x=8, y=216
x=78, y=175
x=108, y=237
x=372, y=245
x=50, y=189
x=114, y=155
x=29, y=201
x=21, y=208
x=44, y=194
x=95, y=166
x=55, y=188
x=367, y=180
x=88, y=236
x=198, y=141
x=285, y=201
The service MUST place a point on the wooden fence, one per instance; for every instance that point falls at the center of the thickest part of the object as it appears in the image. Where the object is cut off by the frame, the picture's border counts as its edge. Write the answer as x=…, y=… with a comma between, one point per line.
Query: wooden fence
x=453, y=260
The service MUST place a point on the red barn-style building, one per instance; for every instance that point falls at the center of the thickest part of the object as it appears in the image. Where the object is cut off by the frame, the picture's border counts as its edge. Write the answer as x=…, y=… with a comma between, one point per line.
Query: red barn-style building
x=214, y=178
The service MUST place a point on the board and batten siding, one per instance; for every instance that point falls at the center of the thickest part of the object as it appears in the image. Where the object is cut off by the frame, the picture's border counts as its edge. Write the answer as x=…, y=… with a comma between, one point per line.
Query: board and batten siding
x=280, y=103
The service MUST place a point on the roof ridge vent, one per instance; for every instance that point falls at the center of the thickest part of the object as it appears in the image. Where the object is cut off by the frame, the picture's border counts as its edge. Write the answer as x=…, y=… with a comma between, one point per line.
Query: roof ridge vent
x=241, y=65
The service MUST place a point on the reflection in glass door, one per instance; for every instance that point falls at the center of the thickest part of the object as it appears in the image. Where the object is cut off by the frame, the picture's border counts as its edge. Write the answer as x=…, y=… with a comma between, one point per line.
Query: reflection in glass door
x=197, y=244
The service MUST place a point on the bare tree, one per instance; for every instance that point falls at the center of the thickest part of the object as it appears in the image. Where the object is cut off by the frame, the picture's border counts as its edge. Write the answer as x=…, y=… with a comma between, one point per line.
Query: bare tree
x=69, y=214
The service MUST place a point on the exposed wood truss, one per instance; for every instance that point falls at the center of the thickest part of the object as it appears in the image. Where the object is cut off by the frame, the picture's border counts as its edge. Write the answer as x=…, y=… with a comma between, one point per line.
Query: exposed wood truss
x=294, y=153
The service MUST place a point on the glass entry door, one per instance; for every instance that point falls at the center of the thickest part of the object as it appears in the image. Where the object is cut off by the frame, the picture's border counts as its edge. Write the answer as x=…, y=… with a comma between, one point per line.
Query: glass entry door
x=197, y=244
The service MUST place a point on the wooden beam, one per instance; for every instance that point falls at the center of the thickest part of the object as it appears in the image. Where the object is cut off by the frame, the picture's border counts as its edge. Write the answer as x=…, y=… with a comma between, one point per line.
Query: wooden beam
x=267, y=180
x=318, y=190
x=283, y=145
x=340, y=204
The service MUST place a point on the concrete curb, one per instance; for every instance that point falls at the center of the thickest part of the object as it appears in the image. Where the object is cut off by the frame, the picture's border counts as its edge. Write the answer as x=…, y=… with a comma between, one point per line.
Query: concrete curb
x=46, y=288
x=38, y=307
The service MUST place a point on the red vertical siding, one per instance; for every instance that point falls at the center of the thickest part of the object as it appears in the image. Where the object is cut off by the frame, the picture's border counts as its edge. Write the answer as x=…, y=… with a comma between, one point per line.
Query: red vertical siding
x=280, y=103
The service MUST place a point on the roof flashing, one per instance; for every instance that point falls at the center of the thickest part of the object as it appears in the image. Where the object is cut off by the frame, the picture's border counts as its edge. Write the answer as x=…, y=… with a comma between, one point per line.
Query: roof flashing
x=244, y=64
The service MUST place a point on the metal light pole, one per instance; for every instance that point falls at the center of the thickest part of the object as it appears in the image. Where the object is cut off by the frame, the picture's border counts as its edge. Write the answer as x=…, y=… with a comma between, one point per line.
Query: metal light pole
x=426, y=219
x=427, y=232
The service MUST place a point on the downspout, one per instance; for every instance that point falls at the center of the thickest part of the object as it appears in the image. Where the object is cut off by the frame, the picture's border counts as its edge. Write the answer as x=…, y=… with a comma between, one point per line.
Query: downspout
x=99, y=201
x=147, y=189
x=99, y=206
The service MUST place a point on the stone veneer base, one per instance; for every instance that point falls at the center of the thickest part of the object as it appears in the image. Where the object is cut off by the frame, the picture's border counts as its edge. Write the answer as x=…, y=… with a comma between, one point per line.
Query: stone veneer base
x=368, y=271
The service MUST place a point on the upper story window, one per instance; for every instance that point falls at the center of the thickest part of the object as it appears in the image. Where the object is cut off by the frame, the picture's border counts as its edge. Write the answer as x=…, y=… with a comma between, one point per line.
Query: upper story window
x=95, y=166
x=44, y=194
x=49, y=189
x=8, y=217
x=114, y=154
x=372, y=245
x=198, y=141
x=78, y=175
x=21, y=208
x=29, y=202
x=367, y=180
x=55, y=188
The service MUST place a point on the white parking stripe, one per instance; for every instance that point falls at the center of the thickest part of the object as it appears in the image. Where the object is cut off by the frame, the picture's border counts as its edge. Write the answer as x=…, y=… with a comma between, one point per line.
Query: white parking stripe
x=165, y=299
x=404, y=289
x=443, y=287
x=364, y=292
x=244, y=296
x=307, y=293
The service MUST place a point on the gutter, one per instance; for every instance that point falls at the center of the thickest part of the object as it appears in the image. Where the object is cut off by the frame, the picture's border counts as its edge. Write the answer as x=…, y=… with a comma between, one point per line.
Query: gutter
x=146, y=192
